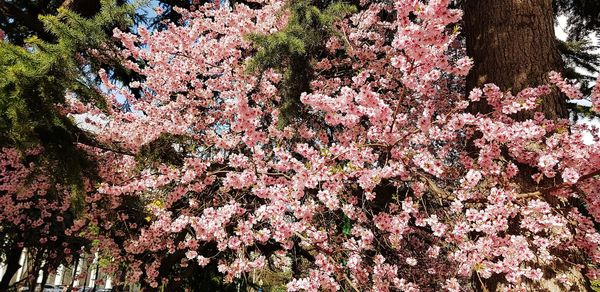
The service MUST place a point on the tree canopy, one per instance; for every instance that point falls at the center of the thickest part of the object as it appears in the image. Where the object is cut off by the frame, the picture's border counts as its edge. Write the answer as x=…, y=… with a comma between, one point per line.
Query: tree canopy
x=305, y=145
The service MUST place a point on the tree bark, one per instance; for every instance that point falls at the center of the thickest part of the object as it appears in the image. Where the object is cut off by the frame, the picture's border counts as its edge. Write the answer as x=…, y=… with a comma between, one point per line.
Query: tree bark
x=45, y=275
x=513, y=45
x=76, y=261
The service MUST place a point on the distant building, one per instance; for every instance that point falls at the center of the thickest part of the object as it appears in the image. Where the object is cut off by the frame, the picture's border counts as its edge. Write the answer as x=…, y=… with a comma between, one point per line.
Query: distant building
x=85, y=274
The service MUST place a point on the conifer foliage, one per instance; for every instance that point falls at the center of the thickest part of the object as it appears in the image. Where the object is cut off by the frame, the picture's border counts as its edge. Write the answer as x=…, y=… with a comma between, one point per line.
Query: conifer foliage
x=291, y=51
x=44, y=175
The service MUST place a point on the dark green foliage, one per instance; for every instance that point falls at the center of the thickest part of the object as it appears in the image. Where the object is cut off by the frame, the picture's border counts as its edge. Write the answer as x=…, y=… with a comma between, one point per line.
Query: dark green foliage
x=18, y=19
x=34, y=79
x=583, y=18
x=291, y=50
x=162, y=150
x=578, y=54
x=199, y=279
x=346, y=225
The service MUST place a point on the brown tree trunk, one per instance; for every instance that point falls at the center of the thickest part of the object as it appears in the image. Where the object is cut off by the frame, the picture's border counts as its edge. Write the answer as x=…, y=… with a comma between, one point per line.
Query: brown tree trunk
x=45, y=274
x=513, y=45
x=76, y=261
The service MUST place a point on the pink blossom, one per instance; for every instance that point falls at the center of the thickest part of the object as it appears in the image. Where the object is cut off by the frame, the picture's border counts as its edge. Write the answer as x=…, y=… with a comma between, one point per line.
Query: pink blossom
x=411, y=261
x=570, y=175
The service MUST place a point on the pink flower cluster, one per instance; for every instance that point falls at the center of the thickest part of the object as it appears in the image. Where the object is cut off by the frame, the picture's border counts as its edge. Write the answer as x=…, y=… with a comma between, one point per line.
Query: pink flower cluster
x=568, y=89
x=377, y=186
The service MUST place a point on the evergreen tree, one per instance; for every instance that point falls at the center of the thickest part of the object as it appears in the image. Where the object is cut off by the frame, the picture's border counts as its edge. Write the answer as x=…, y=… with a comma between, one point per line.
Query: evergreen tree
x=292, y=50
x=21, y=19
x=34, y=80
x=578, y=51
x=583, y=17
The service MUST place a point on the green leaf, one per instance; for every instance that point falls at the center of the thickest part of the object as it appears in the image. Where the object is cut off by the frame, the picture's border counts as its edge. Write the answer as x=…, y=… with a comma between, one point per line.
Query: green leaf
x=346, y=225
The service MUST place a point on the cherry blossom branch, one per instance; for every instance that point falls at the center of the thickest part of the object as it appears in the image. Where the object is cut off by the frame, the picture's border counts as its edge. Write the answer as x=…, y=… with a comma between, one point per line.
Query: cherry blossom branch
x=538, y=193
x=85, y=139
x=329, y=259
x=397, y=109
x=434, y=188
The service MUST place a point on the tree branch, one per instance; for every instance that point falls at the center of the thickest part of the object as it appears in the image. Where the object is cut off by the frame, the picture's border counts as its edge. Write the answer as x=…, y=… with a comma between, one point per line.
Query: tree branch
x=85, y=139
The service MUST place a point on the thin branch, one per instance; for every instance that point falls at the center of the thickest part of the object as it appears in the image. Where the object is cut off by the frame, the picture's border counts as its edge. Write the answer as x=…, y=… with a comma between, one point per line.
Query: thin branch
x=85, y=139
x=538, y=193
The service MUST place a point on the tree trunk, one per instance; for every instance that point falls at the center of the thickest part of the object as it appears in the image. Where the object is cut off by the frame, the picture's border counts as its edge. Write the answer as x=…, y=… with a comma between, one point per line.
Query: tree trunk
x=35, y=267
x=12, y=266
x=76, y=261
x=513, y=45
x=96, y=274
x=45, y=274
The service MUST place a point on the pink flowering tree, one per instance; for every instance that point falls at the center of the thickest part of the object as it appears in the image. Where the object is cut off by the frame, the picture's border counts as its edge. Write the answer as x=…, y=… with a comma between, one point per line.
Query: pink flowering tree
x=37, y=215
x=345, y=162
